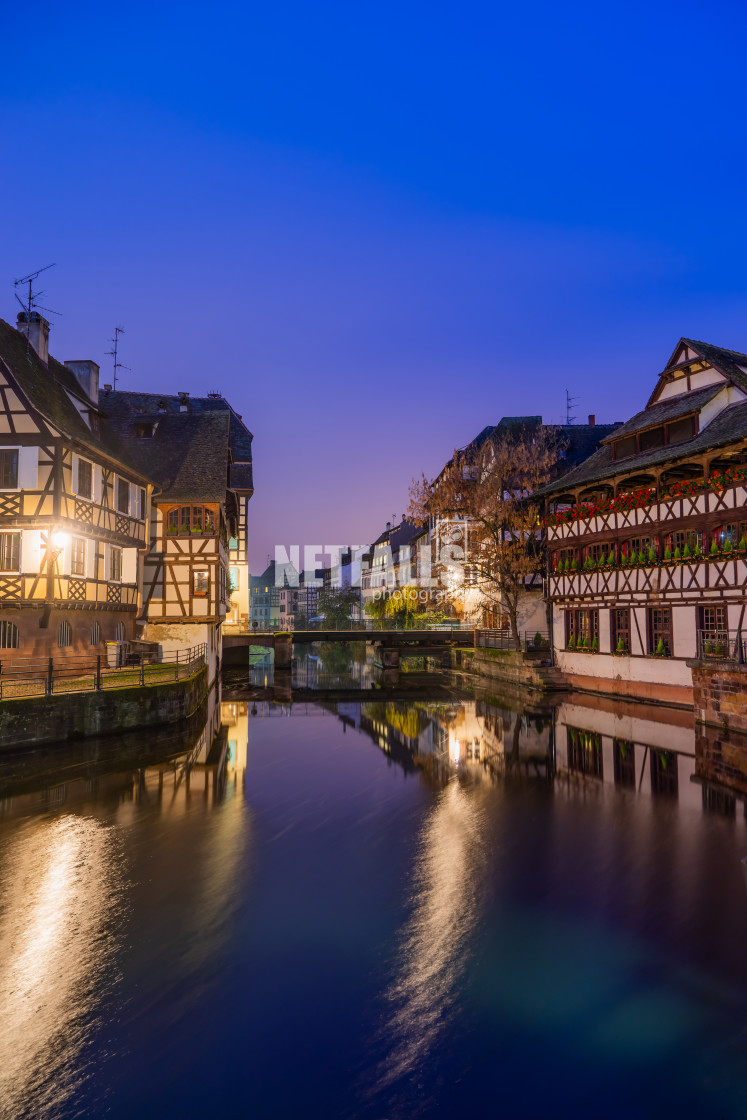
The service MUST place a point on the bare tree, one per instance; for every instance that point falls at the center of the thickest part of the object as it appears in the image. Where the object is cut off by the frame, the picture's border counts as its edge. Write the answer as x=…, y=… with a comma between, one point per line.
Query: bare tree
x=491, y=488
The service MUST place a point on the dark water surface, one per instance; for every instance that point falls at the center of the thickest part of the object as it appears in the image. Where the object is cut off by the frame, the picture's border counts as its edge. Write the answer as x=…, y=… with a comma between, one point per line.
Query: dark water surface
x=377, y=909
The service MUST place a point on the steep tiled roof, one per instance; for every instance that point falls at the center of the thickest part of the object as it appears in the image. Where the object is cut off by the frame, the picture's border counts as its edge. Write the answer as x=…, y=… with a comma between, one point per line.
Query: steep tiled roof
x=187, y=457
x=729, y=426
x=46, y=389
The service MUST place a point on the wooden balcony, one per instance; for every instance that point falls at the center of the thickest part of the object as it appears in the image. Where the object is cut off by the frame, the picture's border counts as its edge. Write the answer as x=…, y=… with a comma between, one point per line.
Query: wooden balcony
x=72, y=591
x=652, y=516
x=676, y=579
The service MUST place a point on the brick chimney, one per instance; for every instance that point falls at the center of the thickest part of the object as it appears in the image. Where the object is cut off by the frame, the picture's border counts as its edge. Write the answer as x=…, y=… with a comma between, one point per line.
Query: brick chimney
x=36, y=331
x=87, y=373
x=184, y=402
x=592, y=419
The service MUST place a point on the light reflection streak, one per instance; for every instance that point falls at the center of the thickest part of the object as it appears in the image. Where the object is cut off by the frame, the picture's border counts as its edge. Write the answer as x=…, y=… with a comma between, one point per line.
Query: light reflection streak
x=433, y=946
x=60, y=902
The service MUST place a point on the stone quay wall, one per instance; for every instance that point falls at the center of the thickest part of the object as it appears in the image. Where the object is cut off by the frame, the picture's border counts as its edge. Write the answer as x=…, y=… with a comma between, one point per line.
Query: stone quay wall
x=720, y=694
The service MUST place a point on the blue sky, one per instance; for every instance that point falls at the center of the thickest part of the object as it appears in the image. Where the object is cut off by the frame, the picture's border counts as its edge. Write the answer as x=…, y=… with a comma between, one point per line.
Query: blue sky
x=377, y=228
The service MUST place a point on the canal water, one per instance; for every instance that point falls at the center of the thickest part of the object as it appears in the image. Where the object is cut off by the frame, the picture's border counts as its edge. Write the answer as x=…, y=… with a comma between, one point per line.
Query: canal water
x=410, y=901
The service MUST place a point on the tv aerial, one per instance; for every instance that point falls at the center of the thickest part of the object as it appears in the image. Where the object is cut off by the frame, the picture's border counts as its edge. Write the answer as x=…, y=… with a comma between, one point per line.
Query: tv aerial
x=32, y=298
x=117, y=364
x=569, y=402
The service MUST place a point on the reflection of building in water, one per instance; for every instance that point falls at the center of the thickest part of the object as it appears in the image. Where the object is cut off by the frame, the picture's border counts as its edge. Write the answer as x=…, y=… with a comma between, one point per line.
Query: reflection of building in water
x=235, y=718
x=629, y=746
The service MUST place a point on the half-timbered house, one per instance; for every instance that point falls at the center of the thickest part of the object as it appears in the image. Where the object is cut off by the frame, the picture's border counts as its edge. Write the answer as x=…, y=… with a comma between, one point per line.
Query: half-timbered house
x=73, y=505
x=647, y=539
x=197, y=451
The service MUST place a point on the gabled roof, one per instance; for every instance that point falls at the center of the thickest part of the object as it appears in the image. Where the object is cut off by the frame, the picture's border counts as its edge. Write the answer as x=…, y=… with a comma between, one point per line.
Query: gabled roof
x=46, y=389
x=731, y=363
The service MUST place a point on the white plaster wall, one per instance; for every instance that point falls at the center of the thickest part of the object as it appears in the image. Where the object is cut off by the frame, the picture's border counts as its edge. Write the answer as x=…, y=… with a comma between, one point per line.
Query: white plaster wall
x=604, y=631
x=645, y=670
x=28, y=468
x=678, y=387
x=129, y=565
x=638, y=633
x=30, y=551
x=684, y=631
x=709, y=412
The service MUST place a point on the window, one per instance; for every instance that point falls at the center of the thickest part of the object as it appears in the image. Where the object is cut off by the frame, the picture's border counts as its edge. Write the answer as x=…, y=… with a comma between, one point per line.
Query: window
x=10, y=552
x=233, y=579
x=144, y=431
x=95, y=635
x=84, y=481
x=8, y=635
x=141, y=503
x=650, y=439
x=93, y=418
x=8, y=470
x=119, y=632
x=184, y=520
x=640, y=545
x=233, y=544
x=733, y=533
x=201, y=582
x=595, y=552
x=583, y=627
x=660, y=630
x=620, y=629
x=64, y=635
x=714, y=635
x=115, y=564
x=624, y=447
x=681, y=430
x=78, y=557
x=564, y=556
x=223, y=588
x=692, y=539
x=123, y=495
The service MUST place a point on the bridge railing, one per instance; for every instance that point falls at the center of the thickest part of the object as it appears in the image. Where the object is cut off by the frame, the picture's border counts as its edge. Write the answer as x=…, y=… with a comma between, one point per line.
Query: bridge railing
x=367, y=625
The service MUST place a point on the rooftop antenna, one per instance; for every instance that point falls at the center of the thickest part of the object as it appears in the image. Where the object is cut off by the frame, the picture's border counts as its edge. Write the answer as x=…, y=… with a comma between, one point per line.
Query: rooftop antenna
x=32, y=300
x=117, y=364
x=569, y=402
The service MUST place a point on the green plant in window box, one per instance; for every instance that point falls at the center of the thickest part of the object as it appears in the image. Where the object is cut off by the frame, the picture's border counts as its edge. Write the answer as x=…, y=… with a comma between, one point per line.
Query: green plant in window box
x=661, y=649
x=708, y=649
x=728, y=546
x=714, y=547
x=610, y=559
x=667, y=553
x=719, y=650
x=574, y=565
x=698, y=554
x=686, y=553
x=633, y=558
x=595, y=644
x=651, y=556
x=678, y=553
x=742, y=544
x=621, y=645
x=571, y=642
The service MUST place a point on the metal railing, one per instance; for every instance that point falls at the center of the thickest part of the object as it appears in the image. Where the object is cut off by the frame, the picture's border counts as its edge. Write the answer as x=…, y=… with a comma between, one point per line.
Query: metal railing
x=366, y=625
x=531, y=640
x=48, y=676
x=725, y=645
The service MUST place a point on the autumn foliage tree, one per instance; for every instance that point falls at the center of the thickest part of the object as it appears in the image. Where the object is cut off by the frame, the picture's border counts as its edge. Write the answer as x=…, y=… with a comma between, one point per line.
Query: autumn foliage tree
x=491, y=488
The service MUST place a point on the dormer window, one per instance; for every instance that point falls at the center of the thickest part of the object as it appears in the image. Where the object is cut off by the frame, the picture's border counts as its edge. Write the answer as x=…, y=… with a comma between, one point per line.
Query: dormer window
x=144, y=431
x=664, y=435
x=93, y=420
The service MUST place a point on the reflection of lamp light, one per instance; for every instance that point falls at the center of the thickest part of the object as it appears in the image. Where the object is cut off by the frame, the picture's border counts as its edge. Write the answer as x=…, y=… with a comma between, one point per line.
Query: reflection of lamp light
x=59, y=540
x=456, y=751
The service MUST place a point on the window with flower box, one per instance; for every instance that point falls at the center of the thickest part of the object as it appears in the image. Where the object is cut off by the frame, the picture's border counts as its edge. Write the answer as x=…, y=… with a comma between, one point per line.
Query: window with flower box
x=694, y=540
x=660, y=631
x=564, y=557
x=595, y=553
x=620, y=629
x=732, y=533
x=638, y=545
x=582, y=629
x=713, y=633
x=185, y=521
